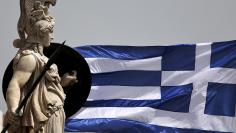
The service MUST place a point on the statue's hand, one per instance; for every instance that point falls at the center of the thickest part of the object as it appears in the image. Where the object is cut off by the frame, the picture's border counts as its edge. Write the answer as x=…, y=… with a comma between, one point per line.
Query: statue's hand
x=69, y=79
x=13, y=119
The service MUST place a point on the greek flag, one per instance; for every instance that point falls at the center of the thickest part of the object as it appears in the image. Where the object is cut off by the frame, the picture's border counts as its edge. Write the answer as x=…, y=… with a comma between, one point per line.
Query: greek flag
x=185, y=88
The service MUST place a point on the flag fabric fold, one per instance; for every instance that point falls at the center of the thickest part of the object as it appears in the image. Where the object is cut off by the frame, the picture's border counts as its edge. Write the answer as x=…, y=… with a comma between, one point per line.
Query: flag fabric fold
x=185, y=88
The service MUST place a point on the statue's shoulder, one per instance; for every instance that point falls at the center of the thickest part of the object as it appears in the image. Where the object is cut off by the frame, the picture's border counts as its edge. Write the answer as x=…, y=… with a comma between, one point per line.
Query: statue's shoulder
x=26, y=52
x=24, y=58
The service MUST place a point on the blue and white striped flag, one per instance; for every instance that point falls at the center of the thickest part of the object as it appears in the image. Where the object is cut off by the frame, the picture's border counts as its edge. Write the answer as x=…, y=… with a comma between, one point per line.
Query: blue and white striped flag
x=186, y=88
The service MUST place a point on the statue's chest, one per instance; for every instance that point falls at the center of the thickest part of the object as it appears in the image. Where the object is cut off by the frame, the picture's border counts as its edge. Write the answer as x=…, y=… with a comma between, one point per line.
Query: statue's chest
x=43, y=61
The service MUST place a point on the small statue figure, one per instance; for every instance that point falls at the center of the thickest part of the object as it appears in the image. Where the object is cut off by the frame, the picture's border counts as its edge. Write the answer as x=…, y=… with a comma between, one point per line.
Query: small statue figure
x=39, y=12
x=43, y=112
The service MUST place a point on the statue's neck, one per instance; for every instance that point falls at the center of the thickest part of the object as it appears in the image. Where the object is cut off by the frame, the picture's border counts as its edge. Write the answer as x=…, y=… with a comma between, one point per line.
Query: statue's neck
x=40, y=49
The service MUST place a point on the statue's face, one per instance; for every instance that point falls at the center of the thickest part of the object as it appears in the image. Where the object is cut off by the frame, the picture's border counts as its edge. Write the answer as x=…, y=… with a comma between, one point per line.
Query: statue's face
x=47, y=38
x=46, y=32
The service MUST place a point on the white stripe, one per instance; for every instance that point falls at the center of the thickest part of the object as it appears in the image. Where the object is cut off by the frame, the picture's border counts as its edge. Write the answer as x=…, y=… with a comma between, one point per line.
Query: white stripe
x=124, y=92
x=218, y=75
x=175, y=78
x=195, y=120
x=101, y=65
x=203, y=56
x=202, y=44
x=223, y=75
x=201, y=79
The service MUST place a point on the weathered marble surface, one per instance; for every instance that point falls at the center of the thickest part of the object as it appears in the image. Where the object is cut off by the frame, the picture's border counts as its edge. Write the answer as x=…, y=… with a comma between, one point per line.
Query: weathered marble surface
x=43, y=112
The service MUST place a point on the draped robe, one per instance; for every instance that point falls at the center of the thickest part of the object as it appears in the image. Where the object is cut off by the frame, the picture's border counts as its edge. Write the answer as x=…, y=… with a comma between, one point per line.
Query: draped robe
x=43, y=112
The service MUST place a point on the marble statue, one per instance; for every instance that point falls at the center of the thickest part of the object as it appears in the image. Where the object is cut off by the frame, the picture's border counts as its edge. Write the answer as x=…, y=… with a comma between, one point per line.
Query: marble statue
x=43, y=112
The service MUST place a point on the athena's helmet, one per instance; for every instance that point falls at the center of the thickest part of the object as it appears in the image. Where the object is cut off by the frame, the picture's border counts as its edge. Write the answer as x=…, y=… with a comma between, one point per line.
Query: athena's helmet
x=40, y=29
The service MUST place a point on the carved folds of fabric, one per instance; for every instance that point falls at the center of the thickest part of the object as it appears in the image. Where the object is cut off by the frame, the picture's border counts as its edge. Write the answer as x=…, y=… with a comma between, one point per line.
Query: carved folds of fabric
x=48, y=97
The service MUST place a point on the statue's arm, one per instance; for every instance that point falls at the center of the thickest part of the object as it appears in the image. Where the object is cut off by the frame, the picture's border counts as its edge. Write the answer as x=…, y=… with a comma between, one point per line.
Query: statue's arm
x=21, y=75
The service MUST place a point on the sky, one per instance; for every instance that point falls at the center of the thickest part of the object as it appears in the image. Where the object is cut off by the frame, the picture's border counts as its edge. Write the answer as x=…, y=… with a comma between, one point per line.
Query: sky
x=126, y=22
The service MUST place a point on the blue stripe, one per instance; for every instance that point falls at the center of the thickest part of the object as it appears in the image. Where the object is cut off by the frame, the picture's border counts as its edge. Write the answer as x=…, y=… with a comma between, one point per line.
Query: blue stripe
x=179, y=58
x=176, y=95
x=221, y=99
x=121, y=52
x=123, y=126
x=157, y=104
x=223, y=54
x=171, y=96
x=127, y=78
x=123, y=103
